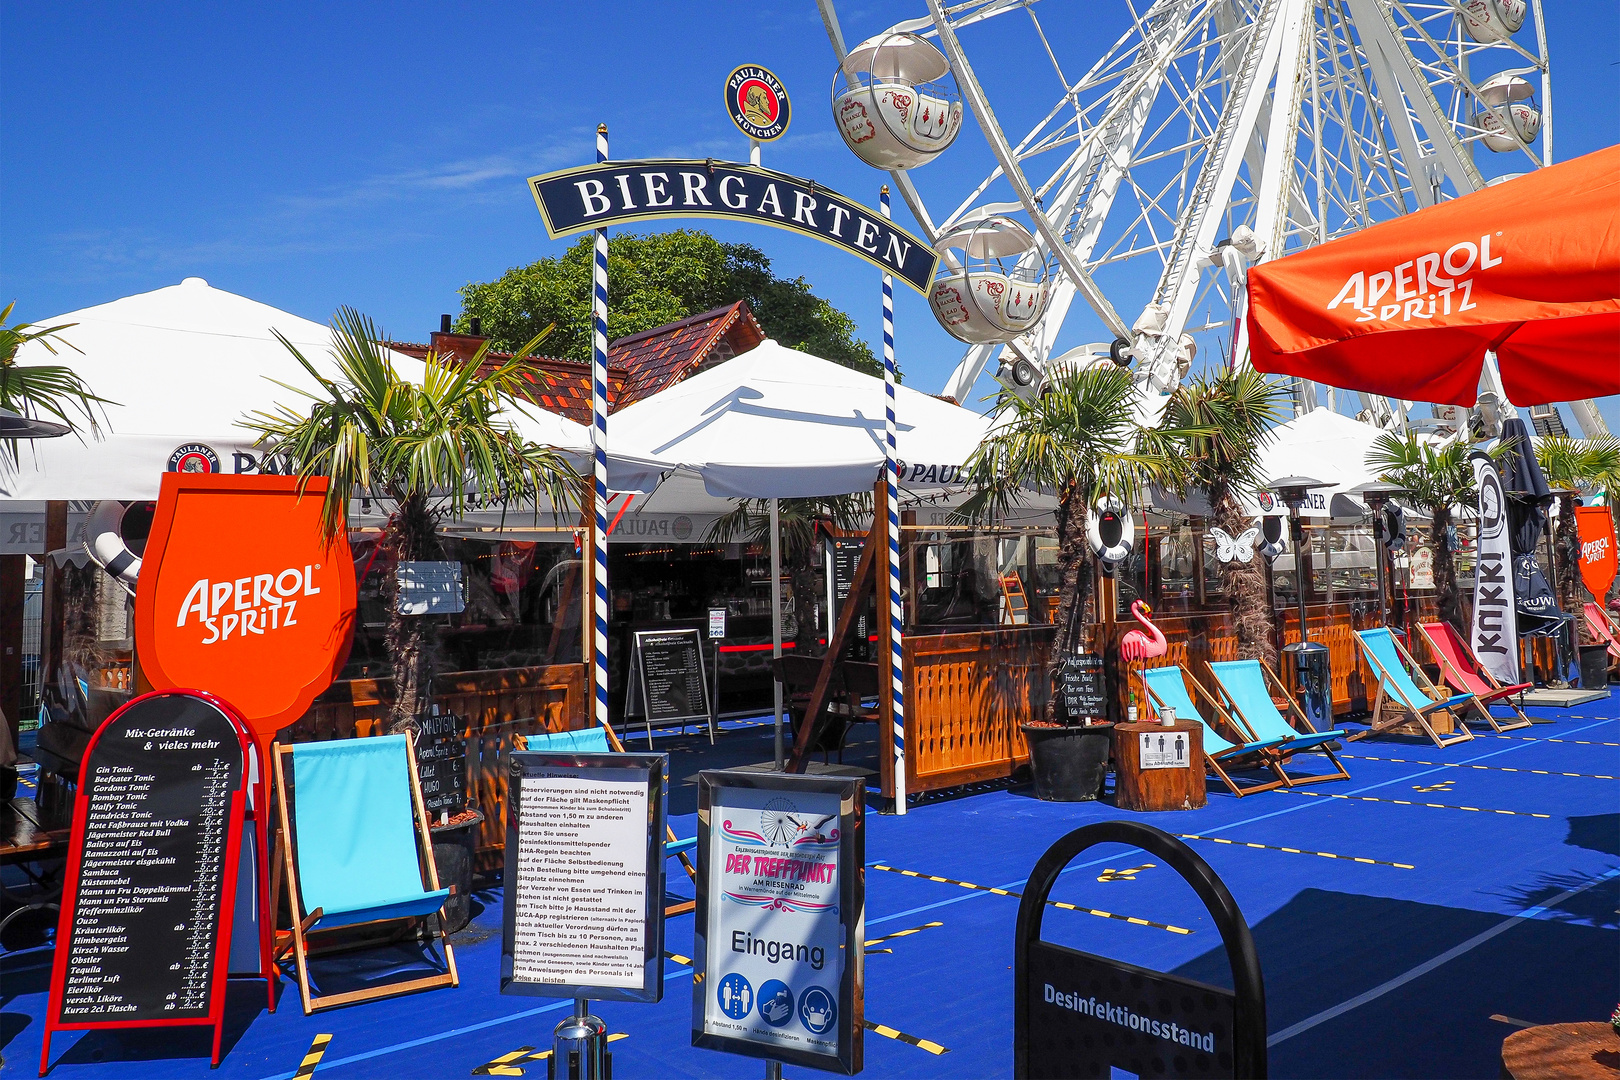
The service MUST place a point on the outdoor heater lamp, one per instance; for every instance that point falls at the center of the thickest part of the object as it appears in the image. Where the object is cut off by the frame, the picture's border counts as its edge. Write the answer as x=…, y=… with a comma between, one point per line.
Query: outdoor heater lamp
x=17, y=426
x=1312, y=678
x=1377, y=495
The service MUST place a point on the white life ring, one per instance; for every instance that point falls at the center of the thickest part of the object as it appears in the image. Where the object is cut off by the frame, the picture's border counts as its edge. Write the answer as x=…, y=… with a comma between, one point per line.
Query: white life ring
x=1268, y=547
x=105, y=545
x=1117, y=548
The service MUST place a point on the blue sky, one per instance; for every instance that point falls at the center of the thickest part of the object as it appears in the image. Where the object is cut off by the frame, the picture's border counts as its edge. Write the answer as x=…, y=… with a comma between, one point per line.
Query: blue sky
x=315, y=155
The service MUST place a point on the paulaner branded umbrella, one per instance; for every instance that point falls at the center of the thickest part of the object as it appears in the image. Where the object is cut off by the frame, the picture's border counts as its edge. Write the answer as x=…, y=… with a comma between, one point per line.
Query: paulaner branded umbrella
x=1407, y=308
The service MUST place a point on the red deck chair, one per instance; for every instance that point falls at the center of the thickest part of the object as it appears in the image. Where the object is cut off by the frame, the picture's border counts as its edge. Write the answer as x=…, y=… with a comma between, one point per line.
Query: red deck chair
x=1463, y=671
x=1603, y=629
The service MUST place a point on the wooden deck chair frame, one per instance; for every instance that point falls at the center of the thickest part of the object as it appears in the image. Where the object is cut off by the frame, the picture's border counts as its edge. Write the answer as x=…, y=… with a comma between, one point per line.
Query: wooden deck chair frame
x=303, y=925
x=1611, y=632
x=1282, y=753
x=1400, y=712
x=691, y=871
x=1480, y=672
x=1261, y=758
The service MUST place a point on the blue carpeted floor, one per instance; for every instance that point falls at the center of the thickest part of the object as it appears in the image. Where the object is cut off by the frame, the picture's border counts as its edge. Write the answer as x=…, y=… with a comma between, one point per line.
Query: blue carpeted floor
x=1469, y=883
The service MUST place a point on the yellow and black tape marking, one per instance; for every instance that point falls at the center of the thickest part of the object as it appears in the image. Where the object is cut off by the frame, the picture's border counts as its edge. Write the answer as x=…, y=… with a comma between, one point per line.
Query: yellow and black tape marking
x=1133, y=920
x=1111, y=874
x=870, y=952
x=317, y=1049
x=900, y=1036
x=1298, y=851
x=902, y=933
x=1409, y=802
x=1531, y=738
x=1489, y=768
x=512, y=1064
x=1443, y=785
x=684, y=961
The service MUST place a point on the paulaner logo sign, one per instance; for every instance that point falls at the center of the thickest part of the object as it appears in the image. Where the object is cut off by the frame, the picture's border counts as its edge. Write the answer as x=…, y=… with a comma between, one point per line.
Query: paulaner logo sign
x=1436, y=283
x=620, y=192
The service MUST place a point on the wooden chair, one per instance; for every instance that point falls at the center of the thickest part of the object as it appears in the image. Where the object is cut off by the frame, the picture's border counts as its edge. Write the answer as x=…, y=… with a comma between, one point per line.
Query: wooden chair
x=1250, y=690
x=363, y=855
x=798, y=676
x=1400, y=698
x=1167, y=687
x=602, y=739
x=861, y=681
x=1463, y=671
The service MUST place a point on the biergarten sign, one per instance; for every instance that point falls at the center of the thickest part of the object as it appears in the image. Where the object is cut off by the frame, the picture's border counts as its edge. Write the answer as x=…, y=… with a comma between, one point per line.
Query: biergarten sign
x=625, y=192
x=757, y=103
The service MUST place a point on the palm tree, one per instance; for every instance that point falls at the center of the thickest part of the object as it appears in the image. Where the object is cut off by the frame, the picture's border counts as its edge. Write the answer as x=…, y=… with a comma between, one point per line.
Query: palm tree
x=1080, y=440
x=1436, y=479
x=37, y=390
x=1572, y=465
x=431, y=449
x=749, y=521
x=1238, y=409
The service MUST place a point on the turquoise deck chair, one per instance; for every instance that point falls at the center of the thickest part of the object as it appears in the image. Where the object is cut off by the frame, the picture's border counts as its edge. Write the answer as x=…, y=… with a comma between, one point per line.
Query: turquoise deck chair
x=1167, y=686
x=1247, y=687
x=354, y=833
x=599, y=739
x=1400, y=698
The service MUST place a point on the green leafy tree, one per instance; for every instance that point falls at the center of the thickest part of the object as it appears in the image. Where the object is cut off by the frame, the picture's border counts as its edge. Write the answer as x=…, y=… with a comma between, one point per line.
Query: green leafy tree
x=42, y=391
x=1237, y=410
x=1437, y=480
x=749, y=521
x=655, y=279
x=430, y=449
x=1570, y=466
x=1079, y=440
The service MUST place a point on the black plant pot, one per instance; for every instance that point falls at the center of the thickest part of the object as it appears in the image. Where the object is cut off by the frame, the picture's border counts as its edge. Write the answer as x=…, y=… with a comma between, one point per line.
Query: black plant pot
x=1068, y=764
x=1594, y=667
x=453, y=851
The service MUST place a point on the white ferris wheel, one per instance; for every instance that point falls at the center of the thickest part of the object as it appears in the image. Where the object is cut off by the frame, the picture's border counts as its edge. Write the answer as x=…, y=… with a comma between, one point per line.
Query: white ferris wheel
x=1209, y=135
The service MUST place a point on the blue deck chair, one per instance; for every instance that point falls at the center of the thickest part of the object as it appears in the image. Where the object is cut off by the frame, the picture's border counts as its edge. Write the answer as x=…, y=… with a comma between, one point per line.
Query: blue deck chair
x=354, y=834
x=1400, y=699
x=1247, y=687
x=1167, y=686
x=601, y=739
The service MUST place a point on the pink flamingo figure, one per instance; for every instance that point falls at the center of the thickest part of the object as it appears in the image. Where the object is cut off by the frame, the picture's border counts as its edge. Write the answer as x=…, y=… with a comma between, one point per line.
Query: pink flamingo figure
x=1137, y=646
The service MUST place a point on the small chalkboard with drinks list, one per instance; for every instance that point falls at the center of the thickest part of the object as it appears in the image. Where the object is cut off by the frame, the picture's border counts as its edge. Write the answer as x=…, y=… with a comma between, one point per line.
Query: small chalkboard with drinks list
x=1083, y=688
x=441, y=764
x=148, y=899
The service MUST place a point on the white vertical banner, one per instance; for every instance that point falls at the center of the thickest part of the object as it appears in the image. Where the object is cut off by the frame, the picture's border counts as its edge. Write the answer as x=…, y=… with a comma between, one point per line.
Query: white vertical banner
x=891, y=479
x=1494, y=635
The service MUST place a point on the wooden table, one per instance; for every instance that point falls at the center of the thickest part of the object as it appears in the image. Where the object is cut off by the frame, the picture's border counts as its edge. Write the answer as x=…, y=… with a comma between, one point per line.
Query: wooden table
x=1564, y=1051
x=1142, y=783
x=27, y=837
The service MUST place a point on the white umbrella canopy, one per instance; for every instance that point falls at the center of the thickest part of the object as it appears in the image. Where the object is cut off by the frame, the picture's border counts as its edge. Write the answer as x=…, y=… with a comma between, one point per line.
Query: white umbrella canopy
x=183, y=365
x=778, y=423
x=1327, y=446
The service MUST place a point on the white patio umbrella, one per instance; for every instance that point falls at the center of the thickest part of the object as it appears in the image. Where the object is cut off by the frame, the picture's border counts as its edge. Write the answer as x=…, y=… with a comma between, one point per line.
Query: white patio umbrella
x=183, y=364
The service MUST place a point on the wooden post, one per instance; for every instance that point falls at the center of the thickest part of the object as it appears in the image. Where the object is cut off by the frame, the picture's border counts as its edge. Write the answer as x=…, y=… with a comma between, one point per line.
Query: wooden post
x=11, y=639
x=50, y=608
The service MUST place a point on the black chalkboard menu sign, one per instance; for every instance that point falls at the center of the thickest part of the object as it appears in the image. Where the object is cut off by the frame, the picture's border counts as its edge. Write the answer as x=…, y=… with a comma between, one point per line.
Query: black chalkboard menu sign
x=843, y=555
x=144, y=937
x=667, y=680
x=1083, y=688
x=441, y=764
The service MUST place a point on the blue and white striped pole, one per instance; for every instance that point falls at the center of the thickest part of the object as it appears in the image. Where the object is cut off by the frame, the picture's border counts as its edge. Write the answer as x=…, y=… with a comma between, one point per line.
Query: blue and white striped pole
x=891, y=476
x=599, y=419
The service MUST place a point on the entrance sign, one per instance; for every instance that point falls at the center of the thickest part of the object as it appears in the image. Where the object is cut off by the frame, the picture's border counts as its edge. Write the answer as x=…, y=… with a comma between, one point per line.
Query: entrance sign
x=145, y=931
x=717, y=622
x=668, y=685
x=626, y=192
x=1076, y=1014
x=781, y=915
x=757, y=103
x=1494, y=634
x=585, y=877
x=241, y=596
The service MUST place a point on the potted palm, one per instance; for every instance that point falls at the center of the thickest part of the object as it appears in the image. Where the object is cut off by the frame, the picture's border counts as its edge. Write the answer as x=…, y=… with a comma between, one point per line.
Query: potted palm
x=1234, y=412
x=1080, y=440
x=429, y=451
x=1571, y=466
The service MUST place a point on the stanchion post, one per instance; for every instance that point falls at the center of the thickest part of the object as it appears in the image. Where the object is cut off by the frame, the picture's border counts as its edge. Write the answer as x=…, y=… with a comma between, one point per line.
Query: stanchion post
x=780, y=758
x=891, y=508
x=599, y=419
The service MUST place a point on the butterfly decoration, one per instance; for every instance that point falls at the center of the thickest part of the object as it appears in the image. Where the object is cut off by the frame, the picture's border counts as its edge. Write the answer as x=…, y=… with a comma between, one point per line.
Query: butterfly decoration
x=1240, y=547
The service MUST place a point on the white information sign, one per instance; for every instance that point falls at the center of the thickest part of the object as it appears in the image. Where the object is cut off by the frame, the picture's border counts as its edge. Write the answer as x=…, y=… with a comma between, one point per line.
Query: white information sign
x=1163, y=749
x=581, y=898
x=776, y=932
x=717, y=622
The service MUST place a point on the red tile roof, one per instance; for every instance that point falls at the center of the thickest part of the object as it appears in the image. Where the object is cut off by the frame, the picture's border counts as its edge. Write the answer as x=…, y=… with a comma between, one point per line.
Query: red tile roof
x=638, y=366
